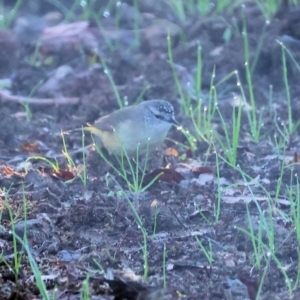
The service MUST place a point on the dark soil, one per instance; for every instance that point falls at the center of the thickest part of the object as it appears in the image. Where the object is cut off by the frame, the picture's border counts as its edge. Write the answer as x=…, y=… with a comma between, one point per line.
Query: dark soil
x=76, y=231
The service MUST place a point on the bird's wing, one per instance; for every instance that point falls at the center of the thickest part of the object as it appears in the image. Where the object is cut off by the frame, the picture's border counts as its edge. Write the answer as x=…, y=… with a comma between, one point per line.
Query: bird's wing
x=117, y=117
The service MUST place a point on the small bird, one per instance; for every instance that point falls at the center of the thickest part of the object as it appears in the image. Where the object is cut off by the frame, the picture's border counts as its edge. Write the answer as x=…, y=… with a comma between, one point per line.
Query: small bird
x=135, y=129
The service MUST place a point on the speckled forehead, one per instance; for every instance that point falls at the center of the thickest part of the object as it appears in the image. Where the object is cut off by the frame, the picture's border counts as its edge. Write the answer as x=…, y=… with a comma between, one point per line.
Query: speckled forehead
x=166, y=108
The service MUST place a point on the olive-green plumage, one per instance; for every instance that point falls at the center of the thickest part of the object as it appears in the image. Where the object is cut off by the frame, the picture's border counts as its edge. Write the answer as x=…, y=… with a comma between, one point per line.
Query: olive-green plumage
x=140, y=128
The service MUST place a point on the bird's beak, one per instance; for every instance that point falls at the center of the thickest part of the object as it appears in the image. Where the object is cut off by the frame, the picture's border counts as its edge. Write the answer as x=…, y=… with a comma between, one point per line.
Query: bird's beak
x=174, y=121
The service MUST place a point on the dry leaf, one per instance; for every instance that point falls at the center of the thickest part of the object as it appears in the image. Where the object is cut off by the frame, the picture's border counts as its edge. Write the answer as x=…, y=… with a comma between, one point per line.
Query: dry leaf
x=30, y=147
x=171, y=151
x=166, y=175
x=65, y=175
x=201, y=170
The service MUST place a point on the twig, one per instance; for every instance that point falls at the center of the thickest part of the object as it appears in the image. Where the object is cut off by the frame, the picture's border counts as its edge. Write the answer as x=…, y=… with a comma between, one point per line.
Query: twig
x=6, y=96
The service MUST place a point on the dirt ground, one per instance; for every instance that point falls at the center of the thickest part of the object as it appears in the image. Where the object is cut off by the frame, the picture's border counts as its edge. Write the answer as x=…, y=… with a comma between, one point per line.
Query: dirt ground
x=57, y=73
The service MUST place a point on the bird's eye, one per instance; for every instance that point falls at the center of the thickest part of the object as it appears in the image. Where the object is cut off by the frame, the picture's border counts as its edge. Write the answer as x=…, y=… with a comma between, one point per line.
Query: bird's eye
x=159, y=117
